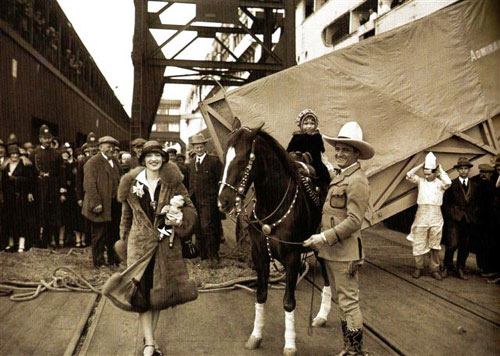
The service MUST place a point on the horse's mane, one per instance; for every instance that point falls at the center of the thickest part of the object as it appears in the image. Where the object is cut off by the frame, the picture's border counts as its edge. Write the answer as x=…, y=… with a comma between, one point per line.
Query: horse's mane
x=283, y=156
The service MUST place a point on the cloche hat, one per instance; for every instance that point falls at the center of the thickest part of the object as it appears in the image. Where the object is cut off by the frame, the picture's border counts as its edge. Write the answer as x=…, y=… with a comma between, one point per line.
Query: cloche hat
x=152, y=146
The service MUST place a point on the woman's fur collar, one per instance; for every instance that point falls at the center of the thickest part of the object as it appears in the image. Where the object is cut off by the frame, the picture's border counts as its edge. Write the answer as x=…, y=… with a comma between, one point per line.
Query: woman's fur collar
x=169, y=174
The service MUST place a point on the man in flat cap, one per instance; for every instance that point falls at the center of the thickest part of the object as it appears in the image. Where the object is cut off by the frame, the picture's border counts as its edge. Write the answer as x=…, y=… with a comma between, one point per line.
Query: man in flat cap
x=136, y=146
x=101, y=178
x=339, y=242
x=204, y=175
x=461, y=212
x=47, y=162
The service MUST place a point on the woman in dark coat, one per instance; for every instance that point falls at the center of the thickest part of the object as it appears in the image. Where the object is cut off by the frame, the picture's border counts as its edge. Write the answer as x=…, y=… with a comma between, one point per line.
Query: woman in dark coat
x=145, y=193
x=67, y=199
x=17, y=185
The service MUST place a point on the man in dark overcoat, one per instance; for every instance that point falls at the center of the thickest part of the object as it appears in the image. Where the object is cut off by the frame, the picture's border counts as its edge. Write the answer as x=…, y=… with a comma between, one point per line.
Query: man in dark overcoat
x=461, y=212
x=204, y=175
x=485, y=232
x=102, y=175
x=46, y=160
x=136, y=149
x=92, y=146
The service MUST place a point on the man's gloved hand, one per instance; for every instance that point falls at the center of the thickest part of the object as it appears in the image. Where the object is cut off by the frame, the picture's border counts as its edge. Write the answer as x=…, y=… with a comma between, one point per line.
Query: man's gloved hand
x=315, y=242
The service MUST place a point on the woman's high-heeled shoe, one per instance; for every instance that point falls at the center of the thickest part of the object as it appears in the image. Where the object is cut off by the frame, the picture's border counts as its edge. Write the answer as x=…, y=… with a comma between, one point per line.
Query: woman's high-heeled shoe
x=149, y=350
x=157, y=352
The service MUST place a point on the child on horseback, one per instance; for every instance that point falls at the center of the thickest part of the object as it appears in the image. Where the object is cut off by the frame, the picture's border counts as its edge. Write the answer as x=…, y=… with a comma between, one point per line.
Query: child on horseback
x=309, y=142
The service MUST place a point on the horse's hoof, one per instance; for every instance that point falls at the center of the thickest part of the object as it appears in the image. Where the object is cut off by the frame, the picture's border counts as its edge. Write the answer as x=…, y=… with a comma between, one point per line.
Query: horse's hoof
x=253, y=343
x=289, y=352
x=318, y=323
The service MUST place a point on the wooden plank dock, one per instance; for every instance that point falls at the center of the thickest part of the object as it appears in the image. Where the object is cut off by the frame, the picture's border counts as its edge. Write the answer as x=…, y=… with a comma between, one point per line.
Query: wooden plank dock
x=48, y=325
x=402, y=316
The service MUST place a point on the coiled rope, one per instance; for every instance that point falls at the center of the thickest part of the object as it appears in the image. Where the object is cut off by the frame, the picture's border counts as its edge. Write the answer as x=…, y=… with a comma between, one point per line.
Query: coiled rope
x=72, y=282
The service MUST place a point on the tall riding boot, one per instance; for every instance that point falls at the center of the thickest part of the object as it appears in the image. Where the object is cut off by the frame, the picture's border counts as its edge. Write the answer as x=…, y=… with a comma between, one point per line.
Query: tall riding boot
x=343, y=352
x=355, y=340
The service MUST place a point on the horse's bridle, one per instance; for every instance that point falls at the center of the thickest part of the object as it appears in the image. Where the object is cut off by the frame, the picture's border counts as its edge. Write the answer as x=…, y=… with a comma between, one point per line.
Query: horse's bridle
x=265, y=229
x=242, y=186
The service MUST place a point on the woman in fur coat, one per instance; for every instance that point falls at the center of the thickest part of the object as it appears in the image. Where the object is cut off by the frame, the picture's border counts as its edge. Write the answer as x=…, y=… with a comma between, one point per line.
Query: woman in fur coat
x=145, y=192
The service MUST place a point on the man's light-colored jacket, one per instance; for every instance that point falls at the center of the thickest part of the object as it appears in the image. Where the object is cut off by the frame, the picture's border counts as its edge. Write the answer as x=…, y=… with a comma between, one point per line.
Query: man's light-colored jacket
x=343, y=213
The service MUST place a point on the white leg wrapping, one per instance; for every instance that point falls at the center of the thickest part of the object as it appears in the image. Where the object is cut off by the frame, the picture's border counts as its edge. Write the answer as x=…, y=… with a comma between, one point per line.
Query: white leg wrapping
x=290, y=330
x=22, y=241
x=326, y=303
x=258, y=323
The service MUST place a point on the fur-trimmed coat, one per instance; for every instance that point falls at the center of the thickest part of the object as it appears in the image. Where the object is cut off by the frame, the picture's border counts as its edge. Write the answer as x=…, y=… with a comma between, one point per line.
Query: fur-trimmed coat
x=135, y=227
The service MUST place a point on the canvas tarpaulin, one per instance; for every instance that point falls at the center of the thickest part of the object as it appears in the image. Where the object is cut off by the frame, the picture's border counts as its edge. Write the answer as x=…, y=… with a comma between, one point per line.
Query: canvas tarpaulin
x=409, y=88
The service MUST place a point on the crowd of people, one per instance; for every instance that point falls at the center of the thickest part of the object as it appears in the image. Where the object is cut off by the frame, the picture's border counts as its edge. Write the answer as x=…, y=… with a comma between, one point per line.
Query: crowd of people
x=462, y=214
x=54, y=195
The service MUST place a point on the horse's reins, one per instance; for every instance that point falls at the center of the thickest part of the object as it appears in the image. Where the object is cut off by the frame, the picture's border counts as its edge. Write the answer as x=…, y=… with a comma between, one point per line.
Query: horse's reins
x=265, y=229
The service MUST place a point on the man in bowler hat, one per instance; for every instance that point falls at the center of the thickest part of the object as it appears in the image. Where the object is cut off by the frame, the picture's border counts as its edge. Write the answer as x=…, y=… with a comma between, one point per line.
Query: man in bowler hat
x=101, y=178
x=204, y=175
x=461, y=212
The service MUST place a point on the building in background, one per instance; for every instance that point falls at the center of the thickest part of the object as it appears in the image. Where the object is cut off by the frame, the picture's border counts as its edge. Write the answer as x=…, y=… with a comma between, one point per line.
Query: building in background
x=166, y=128
x=48, y=77
x=241, y=46
x=323, y=26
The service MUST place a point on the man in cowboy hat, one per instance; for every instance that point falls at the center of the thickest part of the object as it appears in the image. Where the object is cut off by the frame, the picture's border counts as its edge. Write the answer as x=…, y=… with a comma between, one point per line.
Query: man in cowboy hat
x=461, y=211
x=101, y=178
x=136, y=146
x=47, y=163
x=339, y=242
x=204, y=175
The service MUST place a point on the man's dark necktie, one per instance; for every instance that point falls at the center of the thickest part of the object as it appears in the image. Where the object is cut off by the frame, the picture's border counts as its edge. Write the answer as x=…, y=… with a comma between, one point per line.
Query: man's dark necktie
x=197, y=165
x=464, y=185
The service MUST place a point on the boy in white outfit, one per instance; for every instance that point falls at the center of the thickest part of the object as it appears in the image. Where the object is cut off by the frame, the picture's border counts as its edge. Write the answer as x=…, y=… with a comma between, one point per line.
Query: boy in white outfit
x=427, y=229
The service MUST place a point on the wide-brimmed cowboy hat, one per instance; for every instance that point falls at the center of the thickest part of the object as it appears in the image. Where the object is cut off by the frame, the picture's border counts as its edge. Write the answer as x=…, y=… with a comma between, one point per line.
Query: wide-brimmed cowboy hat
x=463, y=162
x=198, y=138
x=351, y=134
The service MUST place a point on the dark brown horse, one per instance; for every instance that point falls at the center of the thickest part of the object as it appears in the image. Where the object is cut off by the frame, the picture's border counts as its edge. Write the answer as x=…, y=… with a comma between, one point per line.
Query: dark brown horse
x=282, y=218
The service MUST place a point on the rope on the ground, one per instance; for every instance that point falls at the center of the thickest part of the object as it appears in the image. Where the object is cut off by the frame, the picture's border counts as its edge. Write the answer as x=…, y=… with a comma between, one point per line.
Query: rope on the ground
x=70, y=282
x=274, y=282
